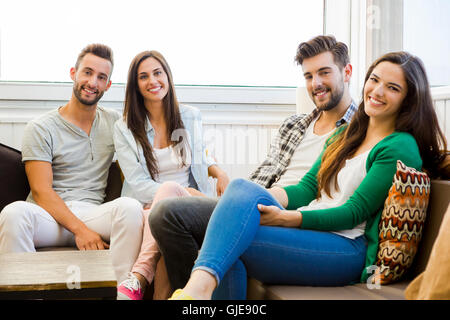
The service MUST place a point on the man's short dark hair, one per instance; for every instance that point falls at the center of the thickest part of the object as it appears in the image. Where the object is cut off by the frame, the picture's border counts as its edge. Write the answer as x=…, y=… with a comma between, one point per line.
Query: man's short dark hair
x=321, y=44
x=97, y=49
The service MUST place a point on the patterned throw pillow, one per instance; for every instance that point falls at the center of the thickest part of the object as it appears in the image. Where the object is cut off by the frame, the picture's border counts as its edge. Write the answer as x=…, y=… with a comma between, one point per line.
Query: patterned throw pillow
x=402, y=222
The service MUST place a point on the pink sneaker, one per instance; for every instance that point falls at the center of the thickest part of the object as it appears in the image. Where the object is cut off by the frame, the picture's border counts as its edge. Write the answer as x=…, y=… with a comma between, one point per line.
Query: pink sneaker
x=130, y=289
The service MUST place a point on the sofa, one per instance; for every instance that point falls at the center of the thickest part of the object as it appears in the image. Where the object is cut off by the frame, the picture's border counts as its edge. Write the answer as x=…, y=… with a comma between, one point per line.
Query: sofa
x=438, y=206
x=14, y=183
x=14, y=186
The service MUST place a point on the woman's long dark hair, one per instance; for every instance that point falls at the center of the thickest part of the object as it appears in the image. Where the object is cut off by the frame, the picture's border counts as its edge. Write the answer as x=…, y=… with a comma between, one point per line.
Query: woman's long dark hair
x=135, y=113
x=416, y=116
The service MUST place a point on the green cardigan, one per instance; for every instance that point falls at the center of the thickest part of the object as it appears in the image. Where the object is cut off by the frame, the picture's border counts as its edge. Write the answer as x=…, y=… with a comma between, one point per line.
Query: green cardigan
x=367, y=202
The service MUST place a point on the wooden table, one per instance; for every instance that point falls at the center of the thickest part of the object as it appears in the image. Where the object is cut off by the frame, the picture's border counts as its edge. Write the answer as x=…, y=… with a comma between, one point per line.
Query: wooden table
x=57, y=275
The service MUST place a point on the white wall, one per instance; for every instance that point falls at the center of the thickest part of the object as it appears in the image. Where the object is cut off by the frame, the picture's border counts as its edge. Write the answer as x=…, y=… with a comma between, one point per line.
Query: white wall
x=239, y=123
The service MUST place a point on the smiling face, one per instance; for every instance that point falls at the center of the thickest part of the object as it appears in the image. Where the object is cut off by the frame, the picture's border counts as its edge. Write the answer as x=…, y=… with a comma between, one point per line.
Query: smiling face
x=325, y=81
x=153, y=82
x=91, y=79
x=384, y=91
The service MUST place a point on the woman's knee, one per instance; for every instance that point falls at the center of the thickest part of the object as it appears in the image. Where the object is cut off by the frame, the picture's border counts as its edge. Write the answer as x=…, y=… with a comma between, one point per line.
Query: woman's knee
x=242, y=186
x=170, y=189
x=242, y=192
x=171, y=186
x=238, y=183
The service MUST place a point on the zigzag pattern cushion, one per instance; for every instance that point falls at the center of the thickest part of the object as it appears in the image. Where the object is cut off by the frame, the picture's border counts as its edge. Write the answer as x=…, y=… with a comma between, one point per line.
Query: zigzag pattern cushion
x=402, y=222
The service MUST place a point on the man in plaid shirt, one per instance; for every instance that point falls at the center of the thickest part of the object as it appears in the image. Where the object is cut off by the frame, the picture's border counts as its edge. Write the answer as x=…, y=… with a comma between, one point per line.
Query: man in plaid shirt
x=289, y=137
x=179, y=225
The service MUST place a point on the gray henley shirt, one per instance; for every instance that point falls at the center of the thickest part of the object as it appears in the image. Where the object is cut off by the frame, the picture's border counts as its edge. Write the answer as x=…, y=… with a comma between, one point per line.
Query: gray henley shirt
x=80, y=162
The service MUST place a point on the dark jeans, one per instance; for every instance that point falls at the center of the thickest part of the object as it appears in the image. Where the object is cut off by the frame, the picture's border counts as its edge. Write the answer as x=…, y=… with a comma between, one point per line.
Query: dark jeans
x=179, y=225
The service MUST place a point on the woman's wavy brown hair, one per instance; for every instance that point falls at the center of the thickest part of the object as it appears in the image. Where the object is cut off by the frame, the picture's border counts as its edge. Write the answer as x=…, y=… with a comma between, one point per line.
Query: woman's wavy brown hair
x=417, y=116
x=135, y=113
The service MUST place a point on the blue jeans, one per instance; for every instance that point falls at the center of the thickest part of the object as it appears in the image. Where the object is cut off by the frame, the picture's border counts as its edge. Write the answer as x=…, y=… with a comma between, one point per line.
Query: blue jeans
x=237, y=246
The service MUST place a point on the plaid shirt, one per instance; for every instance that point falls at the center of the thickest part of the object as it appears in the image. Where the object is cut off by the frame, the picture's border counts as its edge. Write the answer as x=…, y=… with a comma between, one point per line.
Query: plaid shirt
x=290, y=134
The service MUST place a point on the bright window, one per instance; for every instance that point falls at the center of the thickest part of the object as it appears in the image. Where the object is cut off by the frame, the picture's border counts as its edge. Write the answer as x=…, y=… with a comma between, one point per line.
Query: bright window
x=426, y=34
x=206, y=42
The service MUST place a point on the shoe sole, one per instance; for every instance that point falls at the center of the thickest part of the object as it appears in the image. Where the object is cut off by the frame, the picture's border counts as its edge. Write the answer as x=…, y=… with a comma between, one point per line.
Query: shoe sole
x=121, y=296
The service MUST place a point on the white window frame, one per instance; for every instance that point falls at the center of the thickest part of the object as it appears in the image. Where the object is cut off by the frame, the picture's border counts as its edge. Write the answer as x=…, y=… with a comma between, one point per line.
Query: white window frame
x=345, y=19
x=353, y=33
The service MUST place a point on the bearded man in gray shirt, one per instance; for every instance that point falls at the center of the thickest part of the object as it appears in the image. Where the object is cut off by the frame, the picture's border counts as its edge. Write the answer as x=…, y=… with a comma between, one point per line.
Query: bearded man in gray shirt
x=67, y=154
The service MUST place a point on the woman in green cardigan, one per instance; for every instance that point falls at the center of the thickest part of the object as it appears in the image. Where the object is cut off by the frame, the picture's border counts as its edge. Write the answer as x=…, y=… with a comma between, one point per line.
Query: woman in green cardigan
x=324, y=230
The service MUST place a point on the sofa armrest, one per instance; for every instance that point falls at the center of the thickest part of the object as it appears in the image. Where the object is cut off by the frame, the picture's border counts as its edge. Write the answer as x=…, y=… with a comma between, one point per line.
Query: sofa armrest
x=13, y=180
x=437, y=206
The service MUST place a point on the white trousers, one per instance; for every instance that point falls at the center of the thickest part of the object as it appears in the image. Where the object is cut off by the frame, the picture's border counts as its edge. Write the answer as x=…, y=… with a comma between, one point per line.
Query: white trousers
x=25, y=226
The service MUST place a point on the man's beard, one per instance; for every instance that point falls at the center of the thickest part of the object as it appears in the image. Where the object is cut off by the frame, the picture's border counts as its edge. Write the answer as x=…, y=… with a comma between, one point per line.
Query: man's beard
x=77, y=92
x=336, y=97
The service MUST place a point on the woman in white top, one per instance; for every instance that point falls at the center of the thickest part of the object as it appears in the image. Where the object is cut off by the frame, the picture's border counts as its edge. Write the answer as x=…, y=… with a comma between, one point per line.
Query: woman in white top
x=160, y=150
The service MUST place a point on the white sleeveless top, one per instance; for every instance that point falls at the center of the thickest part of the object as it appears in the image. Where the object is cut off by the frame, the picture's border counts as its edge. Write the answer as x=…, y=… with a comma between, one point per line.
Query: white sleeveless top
x=349, y=179
x=170, y=167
